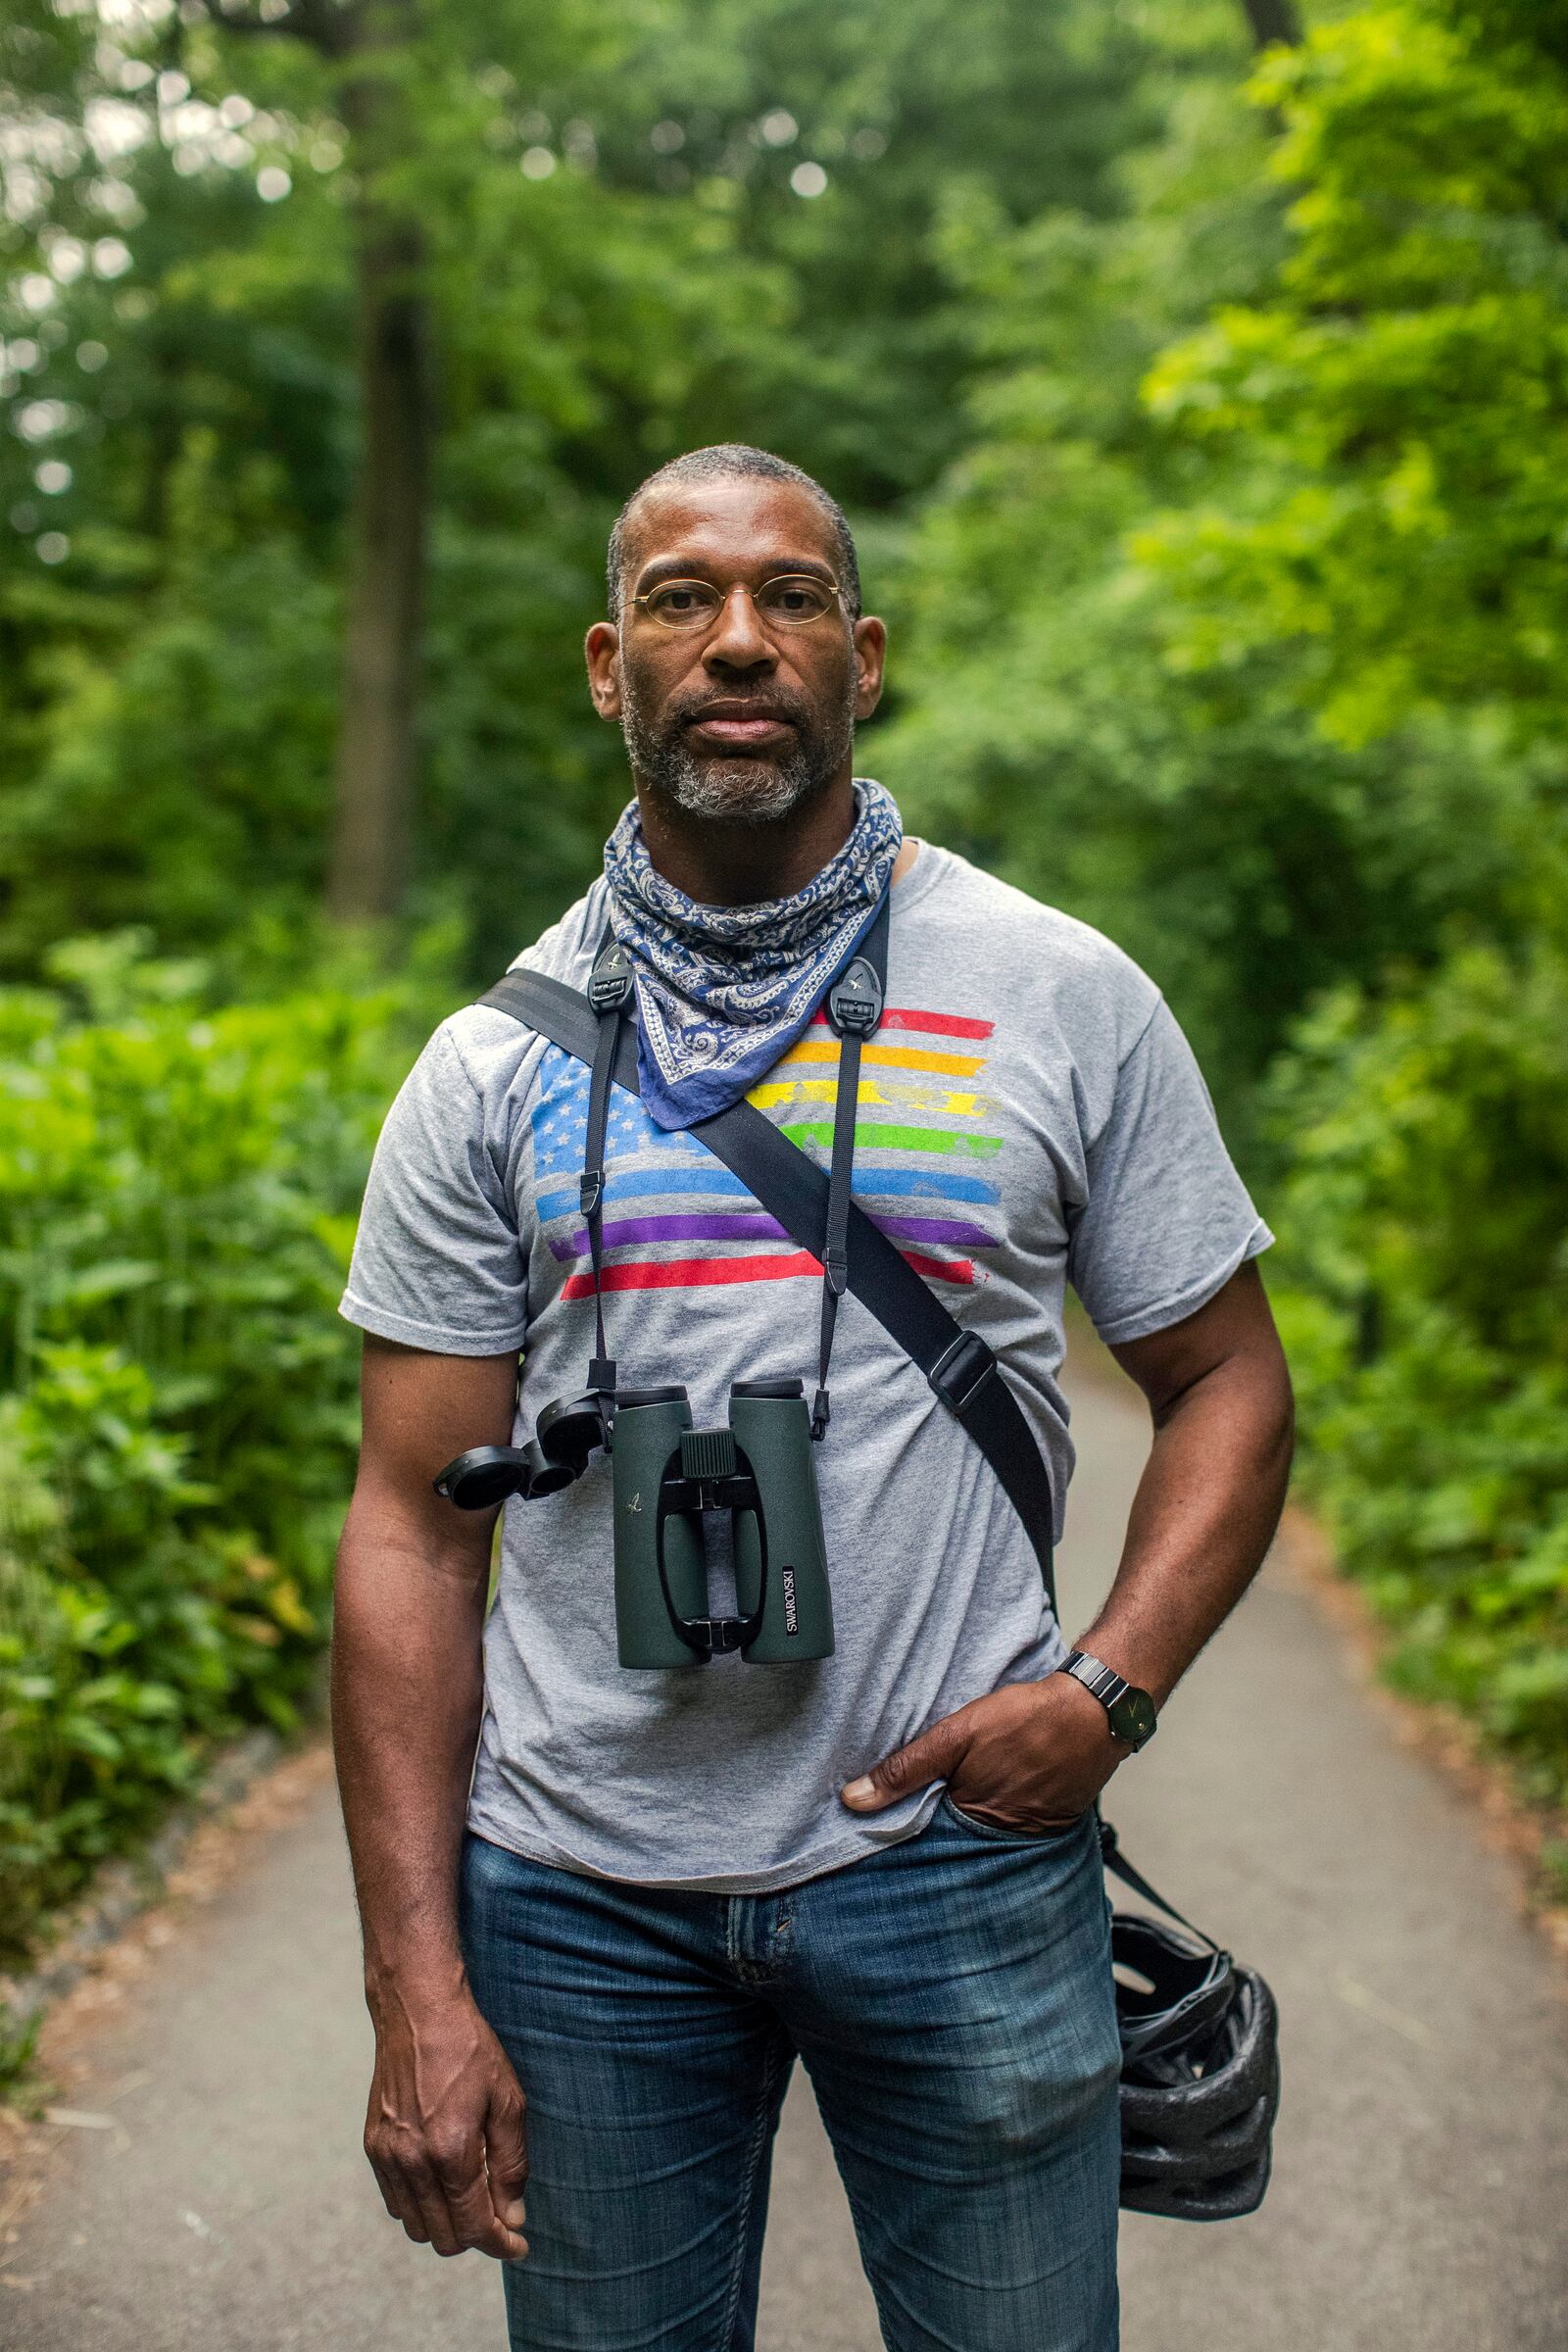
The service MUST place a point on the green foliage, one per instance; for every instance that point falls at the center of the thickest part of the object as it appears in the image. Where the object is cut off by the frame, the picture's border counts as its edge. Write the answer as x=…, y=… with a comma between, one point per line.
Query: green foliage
x=177, y=1192
x=1385, y=524
x=1051, y=728
x=1428, y=1323
x=1401, y=404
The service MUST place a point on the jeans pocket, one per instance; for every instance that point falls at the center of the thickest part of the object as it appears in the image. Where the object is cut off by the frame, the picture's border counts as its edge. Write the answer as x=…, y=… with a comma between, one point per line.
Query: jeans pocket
x=987, y=1829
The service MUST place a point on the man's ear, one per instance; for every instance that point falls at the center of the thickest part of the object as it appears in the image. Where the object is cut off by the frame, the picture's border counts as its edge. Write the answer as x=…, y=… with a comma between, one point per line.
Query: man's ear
x=602, y=647
x=871, y=651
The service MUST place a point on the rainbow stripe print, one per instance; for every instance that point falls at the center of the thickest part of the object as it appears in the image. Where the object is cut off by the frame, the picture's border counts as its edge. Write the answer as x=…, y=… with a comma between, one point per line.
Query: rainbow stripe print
x=675, y=1219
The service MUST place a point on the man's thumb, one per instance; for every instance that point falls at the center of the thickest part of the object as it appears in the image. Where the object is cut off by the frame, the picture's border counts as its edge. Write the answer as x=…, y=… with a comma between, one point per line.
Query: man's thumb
x=506, y=2149
x=930, y=1757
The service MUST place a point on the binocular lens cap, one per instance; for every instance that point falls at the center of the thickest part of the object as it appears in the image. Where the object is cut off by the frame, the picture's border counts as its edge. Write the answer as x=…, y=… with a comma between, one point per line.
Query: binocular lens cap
x=568, y=1430
x=484, y=1475
x=488, y=1474
x=548, y=1477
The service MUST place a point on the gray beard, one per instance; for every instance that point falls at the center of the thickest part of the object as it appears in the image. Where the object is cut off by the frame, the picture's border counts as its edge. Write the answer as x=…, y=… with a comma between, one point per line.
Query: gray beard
x=734, y=791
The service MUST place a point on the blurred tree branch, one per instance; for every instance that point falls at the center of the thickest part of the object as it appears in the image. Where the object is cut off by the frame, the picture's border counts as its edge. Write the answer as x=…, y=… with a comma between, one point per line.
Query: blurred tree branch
x=1273, y=22
x=329, y=29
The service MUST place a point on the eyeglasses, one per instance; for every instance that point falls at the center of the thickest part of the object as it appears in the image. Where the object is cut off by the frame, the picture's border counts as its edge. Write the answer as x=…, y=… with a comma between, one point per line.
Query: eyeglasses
x=791, y=601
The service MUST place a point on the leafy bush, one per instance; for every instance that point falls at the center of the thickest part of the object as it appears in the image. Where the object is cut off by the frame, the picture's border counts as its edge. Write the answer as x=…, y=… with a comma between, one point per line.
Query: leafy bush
x=1427, y=1324
x=1380, y=438
x=177, y=1195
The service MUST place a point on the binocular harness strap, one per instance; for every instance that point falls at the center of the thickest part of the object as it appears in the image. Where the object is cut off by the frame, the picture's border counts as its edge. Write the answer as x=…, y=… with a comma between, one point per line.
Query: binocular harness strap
x=610, y=992
x=959, y=1365
x=855, y=1013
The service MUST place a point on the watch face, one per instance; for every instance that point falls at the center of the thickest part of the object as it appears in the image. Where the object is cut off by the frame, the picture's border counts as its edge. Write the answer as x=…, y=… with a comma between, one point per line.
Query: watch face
x=1132, y=1716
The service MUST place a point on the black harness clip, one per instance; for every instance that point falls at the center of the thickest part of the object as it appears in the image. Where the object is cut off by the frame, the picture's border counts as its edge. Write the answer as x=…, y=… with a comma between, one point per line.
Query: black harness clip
x=855, y=1001
x=610, y=984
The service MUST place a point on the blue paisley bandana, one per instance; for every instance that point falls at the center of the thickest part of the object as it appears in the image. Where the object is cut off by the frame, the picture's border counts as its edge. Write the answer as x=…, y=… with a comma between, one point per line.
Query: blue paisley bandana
x=723, y=991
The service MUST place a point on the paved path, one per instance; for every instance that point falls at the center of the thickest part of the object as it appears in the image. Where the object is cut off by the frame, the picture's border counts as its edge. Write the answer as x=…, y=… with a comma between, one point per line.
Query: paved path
x=1421, y=2178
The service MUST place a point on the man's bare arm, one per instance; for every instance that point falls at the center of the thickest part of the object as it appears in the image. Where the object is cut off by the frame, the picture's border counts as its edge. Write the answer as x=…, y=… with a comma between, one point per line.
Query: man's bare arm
x=1212, y=1489
x=1034, y=1755
x=444, y=2129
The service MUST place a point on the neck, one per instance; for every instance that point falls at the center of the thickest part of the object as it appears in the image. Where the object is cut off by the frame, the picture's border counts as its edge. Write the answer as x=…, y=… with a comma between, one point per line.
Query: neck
x=736, y=865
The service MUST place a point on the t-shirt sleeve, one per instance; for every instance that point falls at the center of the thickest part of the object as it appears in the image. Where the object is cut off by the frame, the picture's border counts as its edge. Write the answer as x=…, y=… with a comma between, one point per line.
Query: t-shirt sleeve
x=437, y=1260
x=1167, y=1220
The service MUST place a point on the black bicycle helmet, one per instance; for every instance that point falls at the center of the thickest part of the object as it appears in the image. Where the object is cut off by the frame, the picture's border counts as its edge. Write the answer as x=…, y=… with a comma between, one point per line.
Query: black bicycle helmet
x=1201, y=2077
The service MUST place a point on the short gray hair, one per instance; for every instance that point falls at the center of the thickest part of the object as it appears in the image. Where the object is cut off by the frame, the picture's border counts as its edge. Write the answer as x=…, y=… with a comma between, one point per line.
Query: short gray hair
x=735, y=460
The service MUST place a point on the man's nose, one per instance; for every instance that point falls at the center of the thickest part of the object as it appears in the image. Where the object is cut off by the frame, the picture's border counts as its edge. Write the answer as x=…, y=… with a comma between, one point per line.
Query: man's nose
x=738, y=641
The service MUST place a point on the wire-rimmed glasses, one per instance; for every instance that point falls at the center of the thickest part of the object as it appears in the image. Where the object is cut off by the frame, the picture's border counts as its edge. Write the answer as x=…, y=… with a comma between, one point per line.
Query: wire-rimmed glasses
x=792, y=600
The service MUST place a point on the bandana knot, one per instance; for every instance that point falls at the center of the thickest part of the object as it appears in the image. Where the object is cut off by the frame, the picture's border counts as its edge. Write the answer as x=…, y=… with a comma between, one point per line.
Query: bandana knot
x=723, y=991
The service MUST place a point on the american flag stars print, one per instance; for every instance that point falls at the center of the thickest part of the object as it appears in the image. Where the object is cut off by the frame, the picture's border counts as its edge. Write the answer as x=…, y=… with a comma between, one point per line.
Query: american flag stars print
x=676, y=1218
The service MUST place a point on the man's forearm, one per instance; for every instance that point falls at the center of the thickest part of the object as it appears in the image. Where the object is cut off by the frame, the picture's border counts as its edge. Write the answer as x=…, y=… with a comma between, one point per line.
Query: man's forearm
x=407, y=1692
x=1034, y=1755
x=1202, y=1518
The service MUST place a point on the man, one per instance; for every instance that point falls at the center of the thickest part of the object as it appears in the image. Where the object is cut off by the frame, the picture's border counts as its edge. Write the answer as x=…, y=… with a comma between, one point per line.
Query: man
x=662, y=1886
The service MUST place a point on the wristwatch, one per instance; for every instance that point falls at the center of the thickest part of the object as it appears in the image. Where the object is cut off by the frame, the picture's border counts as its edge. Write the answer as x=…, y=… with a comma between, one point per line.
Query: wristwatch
x=1131, y=1710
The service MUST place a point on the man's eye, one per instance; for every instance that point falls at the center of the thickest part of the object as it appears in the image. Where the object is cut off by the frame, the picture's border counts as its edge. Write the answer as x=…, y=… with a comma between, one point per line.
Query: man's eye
x=682, y=599
x=796, y=599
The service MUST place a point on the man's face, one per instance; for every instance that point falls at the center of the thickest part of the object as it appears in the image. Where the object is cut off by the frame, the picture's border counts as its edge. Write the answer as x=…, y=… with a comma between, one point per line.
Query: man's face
x=743, y=721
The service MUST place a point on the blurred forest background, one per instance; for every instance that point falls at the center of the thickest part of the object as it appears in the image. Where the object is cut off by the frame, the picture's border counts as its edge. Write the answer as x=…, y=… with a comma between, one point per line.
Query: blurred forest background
x=1197, y=380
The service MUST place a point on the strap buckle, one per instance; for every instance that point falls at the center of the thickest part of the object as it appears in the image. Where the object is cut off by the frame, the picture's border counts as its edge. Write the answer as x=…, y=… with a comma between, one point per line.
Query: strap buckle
x=590, y=1190
x=961, y=1371
x=854, y=1000
x=610, y=984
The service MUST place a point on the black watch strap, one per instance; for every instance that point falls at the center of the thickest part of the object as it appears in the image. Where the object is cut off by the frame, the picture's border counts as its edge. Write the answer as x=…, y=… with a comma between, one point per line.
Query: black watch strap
x=1130, y=1710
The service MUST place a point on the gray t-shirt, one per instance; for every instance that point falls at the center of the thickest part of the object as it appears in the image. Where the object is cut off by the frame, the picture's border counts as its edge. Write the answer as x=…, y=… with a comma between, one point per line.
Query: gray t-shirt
x=1030, y=1115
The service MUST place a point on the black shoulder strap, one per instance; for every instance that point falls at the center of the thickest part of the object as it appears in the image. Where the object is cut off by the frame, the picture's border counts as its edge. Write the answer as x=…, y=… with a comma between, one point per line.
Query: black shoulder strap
x=959, y=1365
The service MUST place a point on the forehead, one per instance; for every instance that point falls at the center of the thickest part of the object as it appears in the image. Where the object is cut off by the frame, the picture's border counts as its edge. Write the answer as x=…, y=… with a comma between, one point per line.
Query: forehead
x=746, y=525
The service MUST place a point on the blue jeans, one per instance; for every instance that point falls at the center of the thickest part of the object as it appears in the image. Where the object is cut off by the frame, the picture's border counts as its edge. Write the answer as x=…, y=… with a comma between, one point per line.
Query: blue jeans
x=952, y=2002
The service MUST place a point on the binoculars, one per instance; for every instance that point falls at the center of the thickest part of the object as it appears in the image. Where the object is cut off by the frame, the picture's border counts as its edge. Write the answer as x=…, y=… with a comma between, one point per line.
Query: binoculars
x=667, y=1477
x=759, y=1470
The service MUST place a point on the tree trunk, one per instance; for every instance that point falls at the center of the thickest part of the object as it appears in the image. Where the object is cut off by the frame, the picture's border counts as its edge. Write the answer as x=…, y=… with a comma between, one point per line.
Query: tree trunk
x=1273, y=21
x=373, y=786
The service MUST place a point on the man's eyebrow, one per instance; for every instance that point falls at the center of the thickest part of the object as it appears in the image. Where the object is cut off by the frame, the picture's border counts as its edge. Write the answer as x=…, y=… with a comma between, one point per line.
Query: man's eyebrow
x=701, y=568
